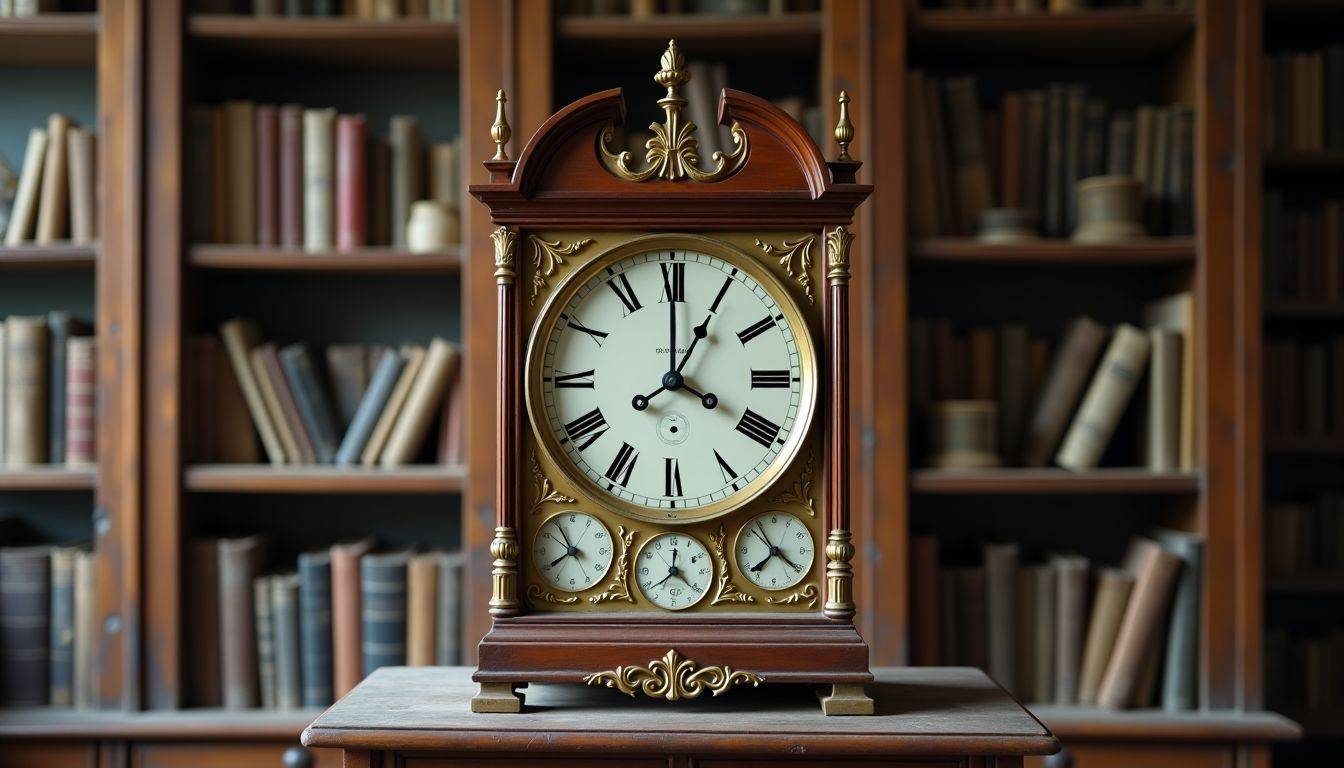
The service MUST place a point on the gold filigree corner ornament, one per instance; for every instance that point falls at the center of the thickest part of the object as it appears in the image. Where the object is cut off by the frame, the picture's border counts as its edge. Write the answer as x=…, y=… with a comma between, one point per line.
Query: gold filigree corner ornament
x=505, y=242
x=546, y=492
x=800, y=491
x=673, y=151
x=727, y=591
x=788, y=252
x=536, y=594
x=619, y=588
x=546, y=257
x=673, y=677
x=837, y=254
x=807, y=593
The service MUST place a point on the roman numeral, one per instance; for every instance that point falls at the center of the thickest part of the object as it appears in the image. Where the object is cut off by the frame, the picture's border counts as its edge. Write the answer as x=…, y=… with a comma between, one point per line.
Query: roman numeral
x=591, y=425
x=671, y=478
x=620, y=285
x=623, y=464
x=768, y=379
x=758, y=428
x=674, y=281
x=584, y=380
x=596, y=335
x=729, y=474
x=718, y=297
x=755, y=329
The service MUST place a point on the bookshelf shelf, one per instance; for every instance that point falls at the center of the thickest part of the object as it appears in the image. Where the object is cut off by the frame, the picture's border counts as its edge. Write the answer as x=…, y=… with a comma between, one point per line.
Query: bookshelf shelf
x=1052, y=482
x=1155, y=252
x=1304, y=311
x=48, y=257
x=708, y=35
x=377, y=260
x=1157, y=724
x=1096, y=34
x=47, y=40
x=264, y=478
x=1324, y=582
x=1304, y=446
x=49, y=478
x=232, y=724
x=416, y=44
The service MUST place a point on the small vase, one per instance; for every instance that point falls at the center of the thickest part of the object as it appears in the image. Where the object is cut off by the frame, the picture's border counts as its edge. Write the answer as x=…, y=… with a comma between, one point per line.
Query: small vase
x=1110, y=209
x=433, y=227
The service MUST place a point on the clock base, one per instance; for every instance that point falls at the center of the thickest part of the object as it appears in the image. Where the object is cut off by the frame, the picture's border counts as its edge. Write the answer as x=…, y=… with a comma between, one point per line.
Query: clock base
x=845, y=699
x=497, y=698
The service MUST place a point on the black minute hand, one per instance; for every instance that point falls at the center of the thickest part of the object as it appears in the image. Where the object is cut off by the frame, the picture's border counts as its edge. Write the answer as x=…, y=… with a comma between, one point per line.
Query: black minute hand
x=671, y=334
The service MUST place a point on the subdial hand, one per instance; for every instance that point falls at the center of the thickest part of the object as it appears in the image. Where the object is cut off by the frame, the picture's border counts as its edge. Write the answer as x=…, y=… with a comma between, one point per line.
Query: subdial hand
x=761, y=564
x=763, y=539
x=797, y=568
x=557, y=560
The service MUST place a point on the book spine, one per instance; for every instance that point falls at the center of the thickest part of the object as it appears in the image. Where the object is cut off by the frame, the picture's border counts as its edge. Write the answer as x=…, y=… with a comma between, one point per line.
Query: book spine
x=312, y=402
x=58, y=335
x=285, y=625
x=446, y=174
x=54, y=211
x=24, y=211
x=1181, y=176
x=351, y=182
x=1105, y=400
x=268, y=175
x=1026, y=631
x=1180, y=681
x=383, y=588
x=268, y=385
x=1014, y=341
x=422, y=404
x=202, y=627
x=239, y=337
x=265, y=639
x=1054, y=218
x=1113, y=587
x=289, y=409
x=454, y=420
x=422, y=587
x=220, y=178
x=370, y=407
x=26, y=390
x=348, y=372
x=382, y=429
x=1075, y=107
x=86, y=680
x=82, y=151
x=315, y=628
x=61, y=647
x=240, y=166
x=970, y=170
x=239, y=561
x=1033, y=155
x=25, y=605
x=1001, y=591
x=924, y=641
x=1043, y=662
x=319, y=173
x=378, y=154
x=1163, y=429
x=448, y=634
x=972, y=616
x=346, y=616
x=406, y=177
x=1154, y=573
x=1071, y=618
x=291, y=176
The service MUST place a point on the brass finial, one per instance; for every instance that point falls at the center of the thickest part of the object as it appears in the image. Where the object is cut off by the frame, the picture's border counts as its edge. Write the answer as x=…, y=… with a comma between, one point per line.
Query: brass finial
x=672, y=76
x=844, y=129
x=499, y=132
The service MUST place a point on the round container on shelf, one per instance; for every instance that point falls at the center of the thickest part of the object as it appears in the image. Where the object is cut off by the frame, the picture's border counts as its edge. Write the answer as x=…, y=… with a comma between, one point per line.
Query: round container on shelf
x=433, y=227
x=1110, y=209
x=963, y=434
x=1007, y=225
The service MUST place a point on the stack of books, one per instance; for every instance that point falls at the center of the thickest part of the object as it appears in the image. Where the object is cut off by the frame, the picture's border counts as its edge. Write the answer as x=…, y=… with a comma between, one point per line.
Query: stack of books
x=49, y=631
x=55, y=199
x=1304, y=388
x=1306, y=538
x=304, y=638
x=289, y=177
x=375, y=405
x=1304, y=250
x=1064, y=631
x=1304, y=101
x=27, y=8
x=48, y=402
x=1030, y=151
x=367, y=10
x=1065, y=409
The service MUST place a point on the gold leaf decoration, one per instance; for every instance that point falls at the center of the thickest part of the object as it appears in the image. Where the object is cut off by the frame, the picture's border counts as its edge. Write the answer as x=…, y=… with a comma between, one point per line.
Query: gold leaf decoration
x=546, y=257
x=808, y=593
x=799, y=250
x=546, y=493
x=535, y=593
x=673, y=677
x=837, y=254
x=727, y=591
x=800, y=492
x=505, y=239
x=619, y=588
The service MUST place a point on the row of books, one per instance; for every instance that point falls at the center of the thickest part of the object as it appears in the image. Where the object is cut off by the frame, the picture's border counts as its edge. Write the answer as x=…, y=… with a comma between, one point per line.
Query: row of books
x=26, y=8
x=1030, y=151
x=1066, y=630
x=1066, y=411
x=1304, y=101
x=1304, y=249
x=1304, y=388
x=1304, y=670
x=640, y=9
x=304, y=638
x=48, y=390
x=374, y=10
x=285, y=176
x=48, y=627
x=55, y=196
x=375, y=408
x=1305, y=537
x=1053, y=6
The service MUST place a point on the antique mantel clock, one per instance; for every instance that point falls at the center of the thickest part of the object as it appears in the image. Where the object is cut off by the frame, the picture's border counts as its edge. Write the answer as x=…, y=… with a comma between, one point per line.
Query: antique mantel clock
x=672, y=505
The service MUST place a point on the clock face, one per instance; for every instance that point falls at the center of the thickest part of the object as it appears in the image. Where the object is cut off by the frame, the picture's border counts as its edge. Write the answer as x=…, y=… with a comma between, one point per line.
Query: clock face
x=673, y=570
x=674, y=381
x=572, y=551
x=774, y=550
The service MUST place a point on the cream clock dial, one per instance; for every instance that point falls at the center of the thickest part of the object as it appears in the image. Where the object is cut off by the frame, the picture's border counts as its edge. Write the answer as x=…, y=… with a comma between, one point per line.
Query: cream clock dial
x=774, y=550
x=572, y=551
x=675, y=381
x=673, y=571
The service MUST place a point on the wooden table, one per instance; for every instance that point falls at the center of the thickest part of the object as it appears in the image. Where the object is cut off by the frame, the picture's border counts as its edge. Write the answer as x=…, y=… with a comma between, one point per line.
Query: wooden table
x=419, y=718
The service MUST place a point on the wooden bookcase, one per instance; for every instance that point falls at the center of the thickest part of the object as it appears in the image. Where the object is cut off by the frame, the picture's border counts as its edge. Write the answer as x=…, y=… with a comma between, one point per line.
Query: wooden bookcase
x=155, y=289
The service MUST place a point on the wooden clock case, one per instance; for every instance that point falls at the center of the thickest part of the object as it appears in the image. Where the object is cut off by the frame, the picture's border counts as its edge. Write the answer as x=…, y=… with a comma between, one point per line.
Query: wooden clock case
x=783, y=184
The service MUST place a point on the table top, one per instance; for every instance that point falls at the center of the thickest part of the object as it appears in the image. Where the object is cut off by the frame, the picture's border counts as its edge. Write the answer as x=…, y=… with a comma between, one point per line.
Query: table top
x=924, y=711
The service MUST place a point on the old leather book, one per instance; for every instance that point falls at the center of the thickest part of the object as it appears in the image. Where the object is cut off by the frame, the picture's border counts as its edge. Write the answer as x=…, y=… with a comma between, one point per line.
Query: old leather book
x=382, y=586
x=319, y=179
x=970, y=169
x=1001, y=612
x=268, y=175
x=60, y=327
x=973, y=647
x=202, y=144
x=1180, y=667
x=1162, y=451
x=26, y=380
x=422, y=597
x=448, y=634
x=455, y=416
x=315, y=628
x=285, y=633
x=1105, y=399
x=1177, y=312
x=278, y=393
x=346, y=614
x=371, y=406
x=414, y=356
x=348, y=371
x=83, y=171
x=201, y=628
x=1026, y=631
x=422, y=404
x=240, y=182
x=351, y=182
x=53, y=213
x=1154, y=571
x=86, y=631
x=291, y=176
x=265, y=628
x=239, y=562
x=407, y=173
x=25, y=613
x=1014, y=343
x=311, y=399
x=1113, y=587
x=61, y=645
x=1044, y=661
x=1071, y=573
x=1069, y=372
x=23, y=214
x=239, y=337
x=924, y=600
x=81, y=401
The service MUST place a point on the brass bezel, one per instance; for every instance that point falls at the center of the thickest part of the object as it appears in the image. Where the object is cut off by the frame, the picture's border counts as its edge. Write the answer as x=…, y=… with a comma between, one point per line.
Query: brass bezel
x=739, y=258
x=542, y=576
x=634, y=566
x=742, y=529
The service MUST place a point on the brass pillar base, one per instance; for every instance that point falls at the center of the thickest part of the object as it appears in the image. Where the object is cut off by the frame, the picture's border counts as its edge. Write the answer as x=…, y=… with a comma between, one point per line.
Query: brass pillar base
x=500, y=698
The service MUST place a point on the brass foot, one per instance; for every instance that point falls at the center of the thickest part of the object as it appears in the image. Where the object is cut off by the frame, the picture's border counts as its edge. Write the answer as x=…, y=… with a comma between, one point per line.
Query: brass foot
x=845, y=699
x=497, y=698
